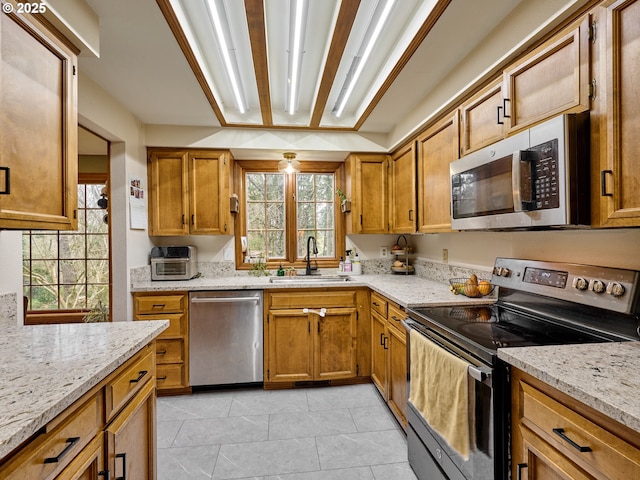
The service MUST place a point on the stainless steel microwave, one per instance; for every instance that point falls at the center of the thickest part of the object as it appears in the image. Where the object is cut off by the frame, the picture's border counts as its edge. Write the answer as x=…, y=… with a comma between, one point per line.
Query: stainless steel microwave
x=534, y=179
x=174, y=263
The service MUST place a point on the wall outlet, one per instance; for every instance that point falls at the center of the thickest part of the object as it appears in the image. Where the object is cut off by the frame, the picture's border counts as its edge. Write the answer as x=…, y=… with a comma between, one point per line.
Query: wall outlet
x=384, y=252
x=445, y=255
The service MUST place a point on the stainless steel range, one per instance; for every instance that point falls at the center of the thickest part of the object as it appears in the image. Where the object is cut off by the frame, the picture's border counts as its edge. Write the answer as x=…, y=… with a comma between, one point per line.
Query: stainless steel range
x=539, y=303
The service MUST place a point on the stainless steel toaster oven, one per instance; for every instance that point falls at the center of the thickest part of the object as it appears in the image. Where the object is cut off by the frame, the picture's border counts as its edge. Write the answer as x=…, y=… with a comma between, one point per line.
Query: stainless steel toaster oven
x=174, y=263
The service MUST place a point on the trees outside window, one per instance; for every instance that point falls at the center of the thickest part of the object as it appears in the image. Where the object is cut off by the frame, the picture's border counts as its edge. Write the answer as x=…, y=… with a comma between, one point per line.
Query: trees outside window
x=283, y=210
x=69, y=270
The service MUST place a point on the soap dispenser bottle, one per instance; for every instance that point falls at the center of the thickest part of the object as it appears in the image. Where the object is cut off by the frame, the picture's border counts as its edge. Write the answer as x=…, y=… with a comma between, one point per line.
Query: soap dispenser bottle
x=356, y=267
x=347, y=262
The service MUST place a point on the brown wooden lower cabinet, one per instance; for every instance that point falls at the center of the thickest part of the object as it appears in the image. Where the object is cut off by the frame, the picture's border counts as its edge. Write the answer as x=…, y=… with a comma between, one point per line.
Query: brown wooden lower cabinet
x=309, y=347
x=556, y=437
x=389, y=355
x=108, y=433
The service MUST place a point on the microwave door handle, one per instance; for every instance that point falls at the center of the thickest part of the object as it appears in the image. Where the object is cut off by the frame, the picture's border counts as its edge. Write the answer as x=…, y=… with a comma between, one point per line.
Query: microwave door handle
x=522, y=187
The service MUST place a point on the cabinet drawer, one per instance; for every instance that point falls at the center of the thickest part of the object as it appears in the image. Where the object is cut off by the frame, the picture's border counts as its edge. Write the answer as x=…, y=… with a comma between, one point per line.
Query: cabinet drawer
x=177, y=323
x=379, y=304
x=169, y=351
x=53, y=450
x=170, y=376
x=313, y=299
x=395, y=316
x=159, y=303
x=560, y=426
x=119, y=390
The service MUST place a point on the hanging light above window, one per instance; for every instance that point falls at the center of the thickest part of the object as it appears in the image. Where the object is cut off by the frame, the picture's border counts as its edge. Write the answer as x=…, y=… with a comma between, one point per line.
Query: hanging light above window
x=289, y=164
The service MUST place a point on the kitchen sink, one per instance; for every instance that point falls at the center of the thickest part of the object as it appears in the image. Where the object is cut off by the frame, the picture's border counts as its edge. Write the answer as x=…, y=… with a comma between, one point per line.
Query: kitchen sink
x=308, y=279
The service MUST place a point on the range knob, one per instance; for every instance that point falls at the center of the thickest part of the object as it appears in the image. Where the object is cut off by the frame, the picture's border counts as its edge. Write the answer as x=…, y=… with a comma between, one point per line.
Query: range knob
x=616, y=289
x=504, y=271
x=580, y=283
x=597, y=286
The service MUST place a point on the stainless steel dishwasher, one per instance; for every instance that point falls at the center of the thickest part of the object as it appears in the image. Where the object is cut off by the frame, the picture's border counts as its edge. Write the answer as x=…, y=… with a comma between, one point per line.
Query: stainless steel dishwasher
x=225, y=337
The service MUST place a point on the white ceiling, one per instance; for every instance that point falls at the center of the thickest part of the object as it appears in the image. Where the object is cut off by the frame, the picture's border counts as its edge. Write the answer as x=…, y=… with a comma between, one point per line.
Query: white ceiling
x=142, y=65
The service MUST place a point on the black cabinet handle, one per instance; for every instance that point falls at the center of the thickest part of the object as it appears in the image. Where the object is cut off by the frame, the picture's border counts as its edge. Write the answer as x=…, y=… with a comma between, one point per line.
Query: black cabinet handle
x=193, y=219
x=382, y=338
x=161, y=378
x=385, y=343
x=411, y=215
x=603, y=183
x=7, y=181
x=521, y=466
x=123, y=456
x=498, y=121
x=376, y=304
x=141, y=374
x=504, y=107
x=105, y=473
x=161, y=352
x=562, y=435
x=70, y=443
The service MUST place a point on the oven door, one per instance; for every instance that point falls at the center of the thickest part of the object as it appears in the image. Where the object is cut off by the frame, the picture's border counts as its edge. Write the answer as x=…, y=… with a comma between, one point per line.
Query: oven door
x=431, y=457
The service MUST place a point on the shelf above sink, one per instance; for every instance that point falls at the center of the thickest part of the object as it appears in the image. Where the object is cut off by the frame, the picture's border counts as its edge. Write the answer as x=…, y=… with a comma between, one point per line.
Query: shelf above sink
x=308, y=279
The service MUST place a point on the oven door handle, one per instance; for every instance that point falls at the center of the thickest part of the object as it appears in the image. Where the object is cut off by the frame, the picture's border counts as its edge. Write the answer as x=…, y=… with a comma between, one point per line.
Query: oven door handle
x=480, y=374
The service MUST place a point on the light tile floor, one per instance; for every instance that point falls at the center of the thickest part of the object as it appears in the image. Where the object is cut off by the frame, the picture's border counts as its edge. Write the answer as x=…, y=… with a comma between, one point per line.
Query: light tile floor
x=324, y=433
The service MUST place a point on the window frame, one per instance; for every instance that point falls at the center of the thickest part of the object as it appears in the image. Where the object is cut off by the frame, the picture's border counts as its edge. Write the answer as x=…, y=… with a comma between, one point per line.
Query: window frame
x=59, y=316
x=240, y=222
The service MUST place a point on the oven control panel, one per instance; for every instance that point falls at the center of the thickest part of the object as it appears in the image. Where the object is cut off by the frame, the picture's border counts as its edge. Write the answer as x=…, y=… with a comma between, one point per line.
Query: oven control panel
x=613, y=289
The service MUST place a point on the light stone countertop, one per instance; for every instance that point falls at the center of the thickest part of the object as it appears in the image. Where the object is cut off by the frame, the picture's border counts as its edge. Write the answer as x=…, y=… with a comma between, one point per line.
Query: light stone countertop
x=45, y=368
x=604, y=376
x=405, y=290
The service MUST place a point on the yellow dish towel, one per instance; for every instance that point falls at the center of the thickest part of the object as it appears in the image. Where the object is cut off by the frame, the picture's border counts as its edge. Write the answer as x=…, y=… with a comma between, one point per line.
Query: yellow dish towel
x=440, y=391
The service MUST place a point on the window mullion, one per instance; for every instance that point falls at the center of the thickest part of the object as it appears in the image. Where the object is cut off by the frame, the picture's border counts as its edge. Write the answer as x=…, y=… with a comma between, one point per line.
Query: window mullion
x=291, y=219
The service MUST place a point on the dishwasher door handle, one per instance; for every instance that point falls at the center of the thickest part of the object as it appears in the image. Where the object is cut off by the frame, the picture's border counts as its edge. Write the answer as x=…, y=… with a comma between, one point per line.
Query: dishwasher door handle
x=224, y=299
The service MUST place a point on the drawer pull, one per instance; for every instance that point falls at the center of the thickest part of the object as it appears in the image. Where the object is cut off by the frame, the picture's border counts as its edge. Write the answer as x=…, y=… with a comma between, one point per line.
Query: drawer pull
x=521, y=466
x=123, y=456
x=70, y=443
x=158, y=305
x=376, y=304
x=562, y=435
x=161, y=378
x=141, y=374
x=395, y=318
x=161, y=352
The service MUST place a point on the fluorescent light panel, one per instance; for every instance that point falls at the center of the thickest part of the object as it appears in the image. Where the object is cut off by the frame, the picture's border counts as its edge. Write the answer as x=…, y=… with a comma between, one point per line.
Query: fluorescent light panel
x=298, y=23
x=379, y=18
x=223, y=34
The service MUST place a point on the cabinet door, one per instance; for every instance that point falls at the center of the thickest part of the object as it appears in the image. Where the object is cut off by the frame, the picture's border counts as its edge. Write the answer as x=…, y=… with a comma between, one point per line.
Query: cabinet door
x=554, y=79
x=482, y=119
x=335, y=344
x=397, y=353
x=38, y=127
x=379, y=353
x=617, y=170
x=437, y=148
x=89, y=464
x=367, y=187
x=289, y=346
x=403, y=191
x=542, y=462
x=131, y=440
x=168, y=187
x=209, y=193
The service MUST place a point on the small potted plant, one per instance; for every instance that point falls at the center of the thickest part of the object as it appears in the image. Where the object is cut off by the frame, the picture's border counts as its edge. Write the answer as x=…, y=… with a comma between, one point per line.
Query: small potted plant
x=345, y=203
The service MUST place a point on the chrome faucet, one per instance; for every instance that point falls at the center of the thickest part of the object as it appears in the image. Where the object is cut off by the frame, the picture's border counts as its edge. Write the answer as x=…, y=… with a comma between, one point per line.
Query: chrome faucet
x=315, y=252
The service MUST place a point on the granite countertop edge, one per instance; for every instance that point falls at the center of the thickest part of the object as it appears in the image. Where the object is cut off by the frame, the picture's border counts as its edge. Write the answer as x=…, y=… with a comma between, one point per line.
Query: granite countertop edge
x=406, y=290
x=603, y=376
x=46, y=368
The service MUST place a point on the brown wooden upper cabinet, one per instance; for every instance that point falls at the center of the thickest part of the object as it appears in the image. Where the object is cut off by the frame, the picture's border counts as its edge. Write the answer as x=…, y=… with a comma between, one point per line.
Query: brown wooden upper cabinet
x=189, y=192
x=548, y=81
x=38, y=126
x=437, y=148
x=367, y=189
x=615, y=147
x=402, y=192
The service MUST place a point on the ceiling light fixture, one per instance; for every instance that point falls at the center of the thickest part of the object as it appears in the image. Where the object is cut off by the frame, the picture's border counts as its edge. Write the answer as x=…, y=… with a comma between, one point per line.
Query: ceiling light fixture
x=378, y=19
x=221, y=28
x=297, y=27
x=289, y=164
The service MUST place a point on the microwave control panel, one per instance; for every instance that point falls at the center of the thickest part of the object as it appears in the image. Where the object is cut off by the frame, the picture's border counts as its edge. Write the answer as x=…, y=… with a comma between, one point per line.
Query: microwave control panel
x=544, y=170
